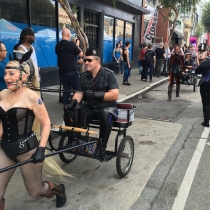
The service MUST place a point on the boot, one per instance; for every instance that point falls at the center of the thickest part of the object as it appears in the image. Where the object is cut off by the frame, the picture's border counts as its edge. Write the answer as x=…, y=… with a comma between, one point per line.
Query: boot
x=2, y=205
x=58, y=191
x=206, y=115
x=177, y=90
x=170, y=87
x=105, y=130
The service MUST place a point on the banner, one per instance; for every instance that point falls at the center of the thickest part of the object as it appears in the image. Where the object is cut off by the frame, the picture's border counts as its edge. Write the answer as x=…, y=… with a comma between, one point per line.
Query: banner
x=151, y=28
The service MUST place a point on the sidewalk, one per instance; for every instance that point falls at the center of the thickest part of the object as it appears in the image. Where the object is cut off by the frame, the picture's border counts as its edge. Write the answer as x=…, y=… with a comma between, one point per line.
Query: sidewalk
x=137, y=87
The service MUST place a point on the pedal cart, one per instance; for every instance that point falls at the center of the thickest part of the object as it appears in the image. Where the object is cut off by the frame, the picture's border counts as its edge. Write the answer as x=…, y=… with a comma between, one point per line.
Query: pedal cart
x=70, y=142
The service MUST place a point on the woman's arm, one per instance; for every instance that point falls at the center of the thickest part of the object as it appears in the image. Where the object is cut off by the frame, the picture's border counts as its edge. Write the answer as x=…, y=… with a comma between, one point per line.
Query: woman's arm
x=114, y=54
x=41, y=114
x=197, y=60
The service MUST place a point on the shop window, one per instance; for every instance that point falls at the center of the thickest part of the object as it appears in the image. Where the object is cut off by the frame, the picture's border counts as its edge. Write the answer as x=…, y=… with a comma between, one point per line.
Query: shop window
x=129, y=37
x=43, y=23
x=108, y=40
x=13, y=18
x=119, y=31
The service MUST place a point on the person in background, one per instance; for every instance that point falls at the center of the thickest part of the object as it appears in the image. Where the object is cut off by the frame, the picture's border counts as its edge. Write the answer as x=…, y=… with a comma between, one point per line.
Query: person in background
x=121, y=61
x=166, y=60
x=170, y=47
x=67, y=51
x=3, y=54
x=204, y=84
x=27, y=38
x=176, y=64
x=202, y=52
x=117, y=54
x=160, y=56
x=126, y=63
x=188, y=63
x=150, y=61
x=142, y=60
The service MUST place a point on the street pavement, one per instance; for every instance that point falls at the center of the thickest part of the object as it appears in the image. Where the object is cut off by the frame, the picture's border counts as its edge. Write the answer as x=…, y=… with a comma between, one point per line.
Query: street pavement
x=166, y=135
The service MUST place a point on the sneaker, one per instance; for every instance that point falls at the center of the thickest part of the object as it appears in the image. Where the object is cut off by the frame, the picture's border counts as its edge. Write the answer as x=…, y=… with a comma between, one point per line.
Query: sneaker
x=189, y=82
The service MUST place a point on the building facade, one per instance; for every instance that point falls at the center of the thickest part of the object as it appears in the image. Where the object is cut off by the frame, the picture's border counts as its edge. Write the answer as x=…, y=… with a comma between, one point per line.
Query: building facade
x=104, y=25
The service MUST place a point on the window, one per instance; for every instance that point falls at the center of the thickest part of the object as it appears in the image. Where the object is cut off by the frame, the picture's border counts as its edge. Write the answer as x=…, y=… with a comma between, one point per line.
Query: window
x=123, y=32
x=108, y=40
x=13, y=18
x=43, y=23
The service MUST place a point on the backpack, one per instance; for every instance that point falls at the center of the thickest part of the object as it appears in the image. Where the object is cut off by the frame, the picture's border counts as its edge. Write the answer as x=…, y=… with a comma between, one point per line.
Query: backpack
x=148, y=56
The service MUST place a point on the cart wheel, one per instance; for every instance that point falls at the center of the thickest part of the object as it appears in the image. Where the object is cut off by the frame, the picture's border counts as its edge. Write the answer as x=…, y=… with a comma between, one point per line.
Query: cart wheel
x=125, y=156
x=66, y=157
x=195, y=81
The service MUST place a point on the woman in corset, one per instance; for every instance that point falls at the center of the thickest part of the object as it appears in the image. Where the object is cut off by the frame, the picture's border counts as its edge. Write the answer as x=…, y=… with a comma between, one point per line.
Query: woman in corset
x=18, y=108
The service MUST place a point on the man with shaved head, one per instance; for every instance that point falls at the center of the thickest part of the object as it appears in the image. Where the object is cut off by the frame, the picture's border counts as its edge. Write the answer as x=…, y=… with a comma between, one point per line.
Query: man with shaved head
x=67, y=51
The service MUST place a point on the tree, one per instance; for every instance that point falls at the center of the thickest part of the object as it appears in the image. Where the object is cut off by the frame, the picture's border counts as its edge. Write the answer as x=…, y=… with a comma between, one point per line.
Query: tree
x=199, y=29
x=77, y=28
x=206, y=16
x=174, y=8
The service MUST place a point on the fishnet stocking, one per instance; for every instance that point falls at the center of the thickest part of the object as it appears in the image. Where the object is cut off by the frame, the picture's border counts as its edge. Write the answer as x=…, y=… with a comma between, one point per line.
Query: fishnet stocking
x=31, y=173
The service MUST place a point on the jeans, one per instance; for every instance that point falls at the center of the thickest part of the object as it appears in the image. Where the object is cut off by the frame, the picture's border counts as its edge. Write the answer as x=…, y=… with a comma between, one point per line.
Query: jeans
x=125, y=75
x=70, y=81
x=151, y=67
x=158, y=67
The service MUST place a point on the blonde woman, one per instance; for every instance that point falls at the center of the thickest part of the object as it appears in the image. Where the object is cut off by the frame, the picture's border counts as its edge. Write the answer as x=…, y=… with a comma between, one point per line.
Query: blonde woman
x=18, y=108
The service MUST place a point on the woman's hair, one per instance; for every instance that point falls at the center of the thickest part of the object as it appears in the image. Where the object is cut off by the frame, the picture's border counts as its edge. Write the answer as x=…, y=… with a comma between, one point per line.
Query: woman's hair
x=117, y=44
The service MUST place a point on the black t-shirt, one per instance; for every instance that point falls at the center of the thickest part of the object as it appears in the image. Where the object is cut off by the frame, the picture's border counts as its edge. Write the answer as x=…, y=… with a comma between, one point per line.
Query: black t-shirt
x=106, y=81
x=159, y=53
x=67, y=52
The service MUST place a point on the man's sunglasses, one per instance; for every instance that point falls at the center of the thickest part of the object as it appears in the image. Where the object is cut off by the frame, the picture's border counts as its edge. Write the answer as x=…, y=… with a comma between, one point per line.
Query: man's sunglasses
x=3, y=50
x=88, y=59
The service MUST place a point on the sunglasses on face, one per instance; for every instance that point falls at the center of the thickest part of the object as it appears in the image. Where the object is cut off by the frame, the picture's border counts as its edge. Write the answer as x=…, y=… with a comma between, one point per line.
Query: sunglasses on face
x=88, y=60
x=3, y=50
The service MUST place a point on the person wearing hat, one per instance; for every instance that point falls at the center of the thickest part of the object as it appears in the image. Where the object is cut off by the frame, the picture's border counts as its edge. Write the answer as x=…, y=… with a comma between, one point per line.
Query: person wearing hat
x=188, y=63
x=27, y=38
x=67, y=51
x=99, y=90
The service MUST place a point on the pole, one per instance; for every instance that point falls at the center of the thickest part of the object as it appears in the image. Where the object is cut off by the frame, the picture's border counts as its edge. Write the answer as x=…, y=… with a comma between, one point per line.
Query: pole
x=46, y=156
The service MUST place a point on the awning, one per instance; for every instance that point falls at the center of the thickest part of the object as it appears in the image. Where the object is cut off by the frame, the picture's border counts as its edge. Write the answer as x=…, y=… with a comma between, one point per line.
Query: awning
x=134, y=6
x=129, y=6
x=178, y=35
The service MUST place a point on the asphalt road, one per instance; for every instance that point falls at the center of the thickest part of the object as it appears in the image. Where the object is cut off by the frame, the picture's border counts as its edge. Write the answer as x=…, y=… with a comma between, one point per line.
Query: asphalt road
x=166, y=173
x=181, y=180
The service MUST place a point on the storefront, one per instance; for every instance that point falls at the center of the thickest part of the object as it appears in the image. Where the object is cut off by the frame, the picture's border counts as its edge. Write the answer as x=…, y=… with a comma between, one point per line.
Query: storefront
x=103, y=24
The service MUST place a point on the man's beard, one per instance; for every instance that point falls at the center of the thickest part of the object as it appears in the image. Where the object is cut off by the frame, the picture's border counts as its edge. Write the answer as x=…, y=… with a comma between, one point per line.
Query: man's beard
x=31, y=41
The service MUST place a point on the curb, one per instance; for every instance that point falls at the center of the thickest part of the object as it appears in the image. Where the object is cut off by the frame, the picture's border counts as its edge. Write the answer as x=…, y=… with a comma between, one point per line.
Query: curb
x=143, y=91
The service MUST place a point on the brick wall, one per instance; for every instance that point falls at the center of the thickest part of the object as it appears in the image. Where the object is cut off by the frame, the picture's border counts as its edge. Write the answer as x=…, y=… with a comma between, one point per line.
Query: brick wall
x=162, y=25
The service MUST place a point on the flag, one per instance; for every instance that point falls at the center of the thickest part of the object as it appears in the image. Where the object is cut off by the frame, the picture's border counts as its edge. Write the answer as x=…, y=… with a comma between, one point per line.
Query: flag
x=151, y=28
